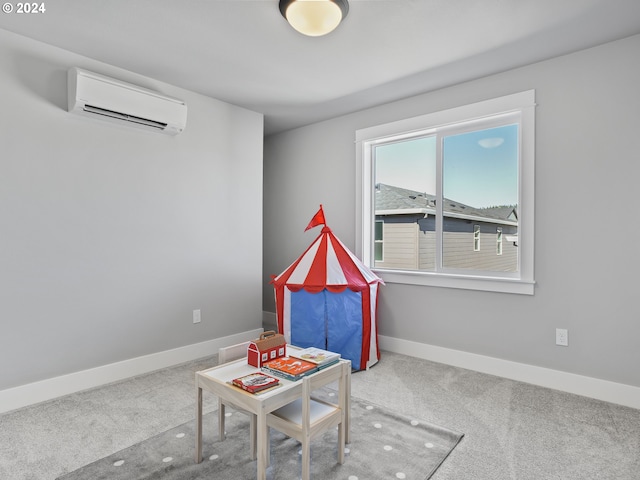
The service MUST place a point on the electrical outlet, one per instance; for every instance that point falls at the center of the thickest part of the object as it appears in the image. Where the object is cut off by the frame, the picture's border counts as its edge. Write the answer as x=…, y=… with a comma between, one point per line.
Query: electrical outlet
x=562, y=337
x=196, y=316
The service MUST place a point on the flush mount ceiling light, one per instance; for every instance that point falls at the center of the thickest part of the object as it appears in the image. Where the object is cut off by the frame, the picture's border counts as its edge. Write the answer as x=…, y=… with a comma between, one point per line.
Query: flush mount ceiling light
x=314, y=17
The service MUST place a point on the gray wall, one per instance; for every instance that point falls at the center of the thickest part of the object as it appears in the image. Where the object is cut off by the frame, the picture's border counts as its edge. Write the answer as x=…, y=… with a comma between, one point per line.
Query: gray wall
x=586, y=254
x=111, y=237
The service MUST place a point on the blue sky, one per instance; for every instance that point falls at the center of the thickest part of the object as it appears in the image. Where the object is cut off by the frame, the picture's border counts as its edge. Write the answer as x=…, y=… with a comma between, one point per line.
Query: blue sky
x=480, y=168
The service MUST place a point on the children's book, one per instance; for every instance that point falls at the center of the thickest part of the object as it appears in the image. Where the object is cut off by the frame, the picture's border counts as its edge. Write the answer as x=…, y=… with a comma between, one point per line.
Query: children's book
x=290, y=368
x=320, y=357
x=255, y=382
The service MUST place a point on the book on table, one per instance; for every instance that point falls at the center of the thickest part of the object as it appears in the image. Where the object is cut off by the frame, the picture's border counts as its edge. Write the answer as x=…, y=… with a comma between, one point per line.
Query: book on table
x=255, y=382
x=290, y=368
x=322, y=358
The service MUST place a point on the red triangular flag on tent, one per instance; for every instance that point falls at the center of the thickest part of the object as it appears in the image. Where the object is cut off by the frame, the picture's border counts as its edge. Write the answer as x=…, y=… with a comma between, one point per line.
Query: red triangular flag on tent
x=318, y=219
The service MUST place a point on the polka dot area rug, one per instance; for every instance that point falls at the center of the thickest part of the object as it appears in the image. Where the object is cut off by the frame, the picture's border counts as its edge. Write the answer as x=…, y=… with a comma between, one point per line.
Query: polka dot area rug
x=384, y=445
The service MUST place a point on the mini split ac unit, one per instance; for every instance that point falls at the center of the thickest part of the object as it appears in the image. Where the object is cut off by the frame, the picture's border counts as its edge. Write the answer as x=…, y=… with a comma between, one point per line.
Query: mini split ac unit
x=105, y=98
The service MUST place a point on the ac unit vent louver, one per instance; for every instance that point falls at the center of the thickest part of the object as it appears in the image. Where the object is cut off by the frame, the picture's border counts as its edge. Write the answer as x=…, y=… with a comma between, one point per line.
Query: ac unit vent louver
x=122, y=116
x=105, y=98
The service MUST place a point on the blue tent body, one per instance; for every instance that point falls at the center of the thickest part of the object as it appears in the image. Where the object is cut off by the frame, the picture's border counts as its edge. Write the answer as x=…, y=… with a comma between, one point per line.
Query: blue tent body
x=332, y=321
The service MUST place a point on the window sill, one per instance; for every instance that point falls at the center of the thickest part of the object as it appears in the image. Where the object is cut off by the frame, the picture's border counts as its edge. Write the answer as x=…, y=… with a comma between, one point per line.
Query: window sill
x=487, y=284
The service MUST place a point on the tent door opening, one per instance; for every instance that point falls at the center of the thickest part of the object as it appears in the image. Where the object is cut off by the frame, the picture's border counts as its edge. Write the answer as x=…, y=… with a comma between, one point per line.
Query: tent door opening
x=332, y=321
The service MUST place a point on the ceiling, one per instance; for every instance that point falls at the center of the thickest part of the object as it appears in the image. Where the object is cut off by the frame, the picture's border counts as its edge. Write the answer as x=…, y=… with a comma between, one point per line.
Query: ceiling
x=243, y=51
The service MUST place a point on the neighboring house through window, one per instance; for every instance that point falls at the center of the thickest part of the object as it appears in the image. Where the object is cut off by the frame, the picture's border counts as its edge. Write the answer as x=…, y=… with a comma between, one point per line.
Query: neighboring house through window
x=433, y=189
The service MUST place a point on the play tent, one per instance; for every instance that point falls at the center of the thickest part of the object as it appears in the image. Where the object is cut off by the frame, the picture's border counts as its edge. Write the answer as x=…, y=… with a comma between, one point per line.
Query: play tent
x=328, y=299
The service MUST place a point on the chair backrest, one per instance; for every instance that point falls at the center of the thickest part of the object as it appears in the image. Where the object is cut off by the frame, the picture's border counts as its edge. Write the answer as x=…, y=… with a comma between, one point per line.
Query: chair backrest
x=232, y=352
x=323, y=377
x=318, y=380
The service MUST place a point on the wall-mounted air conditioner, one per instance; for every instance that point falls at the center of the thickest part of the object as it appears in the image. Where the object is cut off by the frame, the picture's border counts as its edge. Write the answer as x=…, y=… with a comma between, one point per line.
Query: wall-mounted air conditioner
x=109, y=99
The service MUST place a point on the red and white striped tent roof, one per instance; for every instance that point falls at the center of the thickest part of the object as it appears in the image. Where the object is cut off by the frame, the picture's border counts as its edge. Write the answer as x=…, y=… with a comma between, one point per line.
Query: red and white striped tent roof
x=328, y=264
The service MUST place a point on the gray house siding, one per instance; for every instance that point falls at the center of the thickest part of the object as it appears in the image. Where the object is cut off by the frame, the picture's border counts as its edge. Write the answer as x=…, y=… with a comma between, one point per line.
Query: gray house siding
x=458, y=252
x=400, y=246
x=458, y=246
x=409, y=244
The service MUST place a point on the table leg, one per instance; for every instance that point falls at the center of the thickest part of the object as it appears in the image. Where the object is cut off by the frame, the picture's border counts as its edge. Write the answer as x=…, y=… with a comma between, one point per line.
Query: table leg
x=347, y=416
x=253, y=434
x=221, y=419
x=198, y=424
x=262, y=440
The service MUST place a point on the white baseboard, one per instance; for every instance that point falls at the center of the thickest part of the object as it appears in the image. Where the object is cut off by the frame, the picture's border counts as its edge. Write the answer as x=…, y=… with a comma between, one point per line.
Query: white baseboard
x=605, y=390
x=24, y=395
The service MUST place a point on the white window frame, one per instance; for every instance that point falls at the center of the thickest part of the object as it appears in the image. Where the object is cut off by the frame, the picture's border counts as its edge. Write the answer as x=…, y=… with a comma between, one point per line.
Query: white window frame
x=476, y=238
x=523, y=281
x=498, y=240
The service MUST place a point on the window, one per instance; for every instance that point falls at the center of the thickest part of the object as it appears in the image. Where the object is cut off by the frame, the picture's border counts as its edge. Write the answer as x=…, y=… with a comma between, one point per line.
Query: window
x=379, y=246
x=446, y=181
x=476, y=238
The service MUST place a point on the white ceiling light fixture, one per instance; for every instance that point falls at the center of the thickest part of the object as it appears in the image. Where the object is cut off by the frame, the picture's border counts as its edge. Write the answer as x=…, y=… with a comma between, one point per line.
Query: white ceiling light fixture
x=314, y=17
